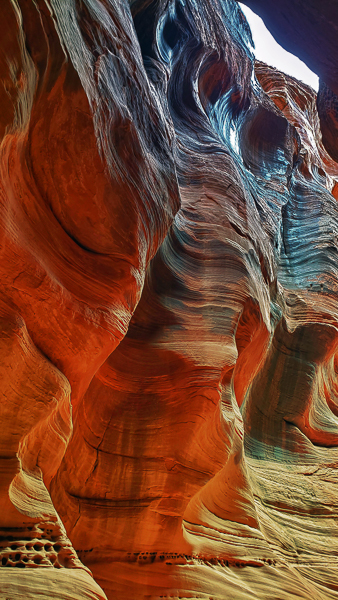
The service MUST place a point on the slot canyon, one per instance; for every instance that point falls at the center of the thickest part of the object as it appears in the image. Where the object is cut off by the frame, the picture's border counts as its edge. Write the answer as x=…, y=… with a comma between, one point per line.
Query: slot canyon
x=168, y=302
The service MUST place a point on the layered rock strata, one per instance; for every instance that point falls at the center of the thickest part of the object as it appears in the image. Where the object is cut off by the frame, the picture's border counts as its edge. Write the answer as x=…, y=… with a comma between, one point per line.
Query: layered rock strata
x=168, y=309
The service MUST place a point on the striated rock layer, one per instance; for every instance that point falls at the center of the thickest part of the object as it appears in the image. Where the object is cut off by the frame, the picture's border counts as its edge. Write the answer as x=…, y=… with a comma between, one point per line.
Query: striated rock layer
x=168, y=309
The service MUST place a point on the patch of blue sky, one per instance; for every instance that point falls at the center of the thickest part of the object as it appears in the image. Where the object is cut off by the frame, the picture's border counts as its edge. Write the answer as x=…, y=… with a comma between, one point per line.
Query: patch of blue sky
x=269, y=51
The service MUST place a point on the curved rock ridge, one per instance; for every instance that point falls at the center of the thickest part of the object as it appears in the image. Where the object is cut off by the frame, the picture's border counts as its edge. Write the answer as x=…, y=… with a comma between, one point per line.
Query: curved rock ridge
x=88, y=189
x=168, y=309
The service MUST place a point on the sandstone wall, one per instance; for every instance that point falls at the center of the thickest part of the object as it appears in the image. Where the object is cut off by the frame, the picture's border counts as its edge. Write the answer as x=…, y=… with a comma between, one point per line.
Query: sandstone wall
x=168, y=308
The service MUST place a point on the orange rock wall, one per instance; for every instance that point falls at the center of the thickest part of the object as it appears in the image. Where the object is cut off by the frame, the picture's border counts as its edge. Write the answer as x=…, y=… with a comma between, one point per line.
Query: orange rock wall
x=168, y=309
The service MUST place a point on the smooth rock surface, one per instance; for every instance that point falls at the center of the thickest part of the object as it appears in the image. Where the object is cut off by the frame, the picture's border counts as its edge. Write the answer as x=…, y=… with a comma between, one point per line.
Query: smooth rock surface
x=168, y=309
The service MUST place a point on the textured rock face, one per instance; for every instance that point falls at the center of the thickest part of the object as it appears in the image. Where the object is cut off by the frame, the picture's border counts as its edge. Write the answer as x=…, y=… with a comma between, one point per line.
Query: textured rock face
x=309, y=29
x=168, y=309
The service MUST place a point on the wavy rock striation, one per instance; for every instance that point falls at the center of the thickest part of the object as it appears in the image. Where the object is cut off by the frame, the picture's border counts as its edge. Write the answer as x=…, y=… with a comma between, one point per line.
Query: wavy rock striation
x=168, y=309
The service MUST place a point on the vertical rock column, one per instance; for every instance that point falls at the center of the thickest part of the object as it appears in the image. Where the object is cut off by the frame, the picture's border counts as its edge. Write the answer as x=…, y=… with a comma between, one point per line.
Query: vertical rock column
x=80, y=219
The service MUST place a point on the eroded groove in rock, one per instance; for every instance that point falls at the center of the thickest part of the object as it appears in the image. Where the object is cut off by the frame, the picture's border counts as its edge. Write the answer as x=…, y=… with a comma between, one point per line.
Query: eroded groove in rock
x=168, y=309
